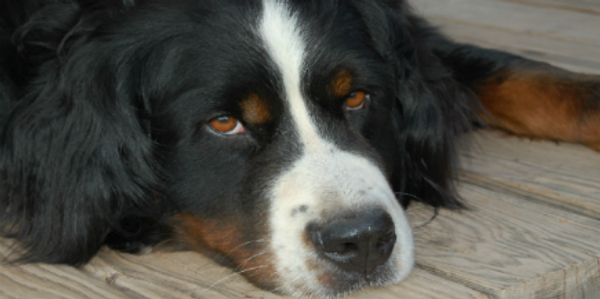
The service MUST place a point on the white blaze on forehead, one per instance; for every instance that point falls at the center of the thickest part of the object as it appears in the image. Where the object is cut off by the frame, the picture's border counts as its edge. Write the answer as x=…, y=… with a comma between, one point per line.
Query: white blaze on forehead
x=324, y=180
x=284, y=40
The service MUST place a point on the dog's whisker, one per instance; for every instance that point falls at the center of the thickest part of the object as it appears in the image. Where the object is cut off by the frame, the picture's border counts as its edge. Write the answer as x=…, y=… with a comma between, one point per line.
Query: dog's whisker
x=227, y=255
x=251, y=258
x=246, y=244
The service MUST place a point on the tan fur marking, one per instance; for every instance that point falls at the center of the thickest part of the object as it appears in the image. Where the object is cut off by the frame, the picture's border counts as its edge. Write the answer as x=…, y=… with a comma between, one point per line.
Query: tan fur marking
x=341, y=85
x=255, y=110
x=251, y=259
x=542, y=103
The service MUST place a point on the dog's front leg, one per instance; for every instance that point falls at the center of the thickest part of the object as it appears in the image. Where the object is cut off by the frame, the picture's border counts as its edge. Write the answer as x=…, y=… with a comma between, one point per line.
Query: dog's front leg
x=526, y=97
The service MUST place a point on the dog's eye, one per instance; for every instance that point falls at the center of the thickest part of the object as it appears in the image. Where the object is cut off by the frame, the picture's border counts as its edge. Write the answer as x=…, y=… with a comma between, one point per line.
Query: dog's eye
x=227, y=125
x=356, y=100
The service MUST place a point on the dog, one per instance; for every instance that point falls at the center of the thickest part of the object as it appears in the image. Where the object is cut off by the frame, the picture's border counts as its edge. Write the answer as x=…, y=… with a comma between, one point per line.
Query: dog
x=284, y=137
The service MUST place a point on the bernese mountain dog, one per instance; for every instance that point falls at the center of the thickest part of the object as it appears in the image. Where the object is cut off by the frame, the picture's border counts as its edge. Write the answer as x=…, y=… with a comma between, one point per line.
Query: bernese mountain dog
x=284, y=136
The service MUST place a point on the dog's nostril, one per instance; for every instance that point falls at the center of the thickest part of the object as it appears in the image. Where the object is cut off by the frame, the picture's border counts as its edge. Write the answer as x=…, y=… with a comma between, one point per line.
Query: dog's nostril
x=359, y=243
x=386, y=240
x=349, y=248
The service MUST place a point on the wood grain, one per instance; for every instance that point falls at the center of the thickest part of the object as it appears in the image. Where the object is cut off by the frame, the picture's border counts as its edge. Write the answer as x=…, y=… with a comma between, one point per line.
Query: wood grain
x=49, y=281
x=581, y=6
x=512, y=248
x=583, y=58
x=523, y=27
x=564, y=175
x=190, y=275
x=545, y=22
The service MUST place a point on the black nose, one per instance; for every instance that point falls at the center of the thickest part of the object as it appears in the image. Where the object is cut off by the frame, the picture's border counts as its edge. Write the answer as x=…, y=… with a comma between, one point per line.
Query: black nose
x=358, y=243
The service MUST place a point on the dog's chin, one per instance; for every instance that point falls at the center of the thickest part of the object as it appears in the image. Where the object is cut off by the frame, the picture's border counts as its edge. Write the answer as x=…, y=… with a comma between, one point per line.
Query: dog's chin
x=327, y=281
x=341, y=284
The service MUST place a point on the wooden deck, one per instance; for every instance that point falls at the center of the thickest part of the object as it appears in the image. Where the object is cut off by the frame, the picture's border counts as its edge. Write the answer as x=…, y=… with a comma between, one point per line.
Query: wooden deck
x=534, y=227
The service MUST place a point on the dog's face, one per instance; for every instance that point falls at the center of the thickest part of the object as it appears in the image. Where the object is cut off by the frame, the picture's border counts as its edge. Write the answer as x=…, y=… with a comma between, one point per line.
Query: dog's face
x=273, y=166
x=282, y=135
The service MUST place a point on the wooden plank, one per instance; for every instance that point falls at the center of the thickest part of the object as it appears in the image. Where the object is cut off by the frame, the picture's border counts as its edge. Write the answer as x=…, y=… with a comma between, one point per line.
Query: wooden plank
x=49, y=281
x=190, y=275
x=171, y=275
x=565, y=175
x=573, y=56
x=542, y=21
x=582, y=6
x=560, y=51
x=422, y=285
x=512, y=248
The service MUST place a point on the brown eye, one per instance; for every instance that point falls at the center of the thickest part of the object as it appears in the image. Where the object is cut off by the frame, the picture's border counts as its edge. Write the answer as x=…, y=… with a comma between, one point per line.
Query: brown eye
x=356, y=100
x=227, y=125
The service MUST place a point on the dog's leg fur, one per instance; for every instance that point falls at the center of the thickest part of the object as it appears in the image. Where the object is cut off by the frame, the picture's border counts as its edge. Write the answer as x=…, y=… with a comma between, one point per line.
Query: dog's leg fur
x=525, y=97
x=6, y=84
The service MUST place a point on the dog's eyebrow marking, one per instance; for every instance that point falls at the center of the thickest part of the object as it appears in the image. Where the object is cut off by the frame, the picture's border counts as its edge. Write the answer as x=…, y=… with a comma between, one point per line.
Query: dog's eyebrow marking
x=341, y=85
x=255, y=110
x=284, y=40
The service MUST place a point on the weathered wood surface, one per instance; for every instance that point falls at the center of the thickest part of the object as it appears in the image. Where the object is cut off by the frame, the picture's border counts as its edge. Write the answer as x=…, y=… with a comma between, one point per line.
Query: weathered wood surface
x=563, y=175
x=46, y=281
x=177, y=275
x=533, y=230
x=508, y=247
x=562, y=32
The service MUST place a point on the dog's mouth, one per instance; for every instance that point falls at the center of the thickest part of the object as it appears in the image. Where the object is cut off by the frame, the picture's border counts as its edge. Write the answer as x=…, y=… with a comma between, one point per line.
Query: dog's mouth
x=352, y=252
x=336, y=257
x=342, y=255
x=335, y=227
x=312, y=251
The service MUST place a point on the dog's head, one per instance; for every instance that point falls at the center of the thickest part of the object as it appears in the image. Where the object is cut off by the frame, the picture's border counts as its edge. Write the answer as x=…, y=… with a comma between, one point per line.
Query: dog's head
x=286, y=136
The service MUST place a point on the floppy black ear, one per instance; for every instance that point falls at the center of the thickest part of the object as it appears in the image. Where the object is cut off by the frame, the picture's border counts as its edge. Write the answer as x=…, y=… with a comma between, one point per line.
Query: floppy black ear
x=75, y=160
x=430, y=108
x=433, y=110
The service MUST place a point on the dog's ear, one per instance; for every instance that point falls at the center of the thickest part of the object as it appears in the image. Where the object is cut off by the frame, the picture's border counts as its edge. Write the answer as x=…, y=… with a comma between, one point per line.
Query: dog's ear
x=430, y=108
x=433, y=111
x=75, y=158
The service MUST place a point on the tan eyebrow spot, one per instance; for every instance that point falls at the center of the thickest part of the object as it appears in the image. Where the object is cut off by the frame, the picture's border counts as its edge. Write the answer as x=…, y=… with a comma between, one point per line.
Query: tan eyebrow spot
x=341, y=85
x=255, y=110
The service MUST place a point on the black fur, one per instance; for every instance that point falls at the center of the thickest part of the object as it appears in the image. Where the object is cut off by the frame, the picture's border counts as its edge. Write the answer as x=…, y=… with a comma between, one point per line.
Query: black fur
x=101, y=138
x=75, y=158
